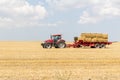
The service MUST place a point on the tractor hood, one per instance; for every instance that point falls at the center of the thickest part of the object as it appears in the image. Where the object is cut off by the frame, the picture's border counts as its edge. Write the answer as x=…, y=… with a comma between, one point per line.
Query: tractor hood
x=49, y=41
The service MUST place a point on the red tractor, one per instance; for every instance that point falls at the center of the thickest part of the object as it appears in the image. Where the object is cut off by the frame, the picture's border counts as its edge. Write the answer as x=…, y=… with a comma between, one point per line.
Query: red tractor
x=54, y=41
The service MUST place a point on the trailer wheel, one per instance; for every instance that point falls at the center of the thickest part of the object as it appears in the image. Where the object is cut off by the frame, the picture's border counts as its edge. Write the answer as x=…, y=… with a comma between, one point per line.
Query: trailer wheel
x=97, y=45
x=78, y=46
x=102, y=46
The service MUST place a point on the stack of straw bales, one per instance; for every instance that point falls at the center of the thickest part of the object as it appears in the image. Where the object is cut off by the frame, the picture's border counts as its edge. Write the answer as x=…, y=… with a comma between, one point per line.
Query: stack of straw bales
x=94, y=37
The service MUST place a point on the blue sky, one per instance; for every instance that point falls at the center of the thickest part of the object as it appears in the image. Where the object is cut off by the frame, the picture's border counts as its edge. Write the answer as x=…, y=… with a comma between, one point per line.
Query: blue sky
x=37, y=19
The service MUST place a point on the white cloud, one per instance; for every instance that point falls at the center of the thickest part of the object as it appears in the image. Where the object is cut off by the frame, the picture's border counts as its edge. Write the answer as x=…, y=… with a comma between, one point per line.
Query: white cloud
x=5, y=21
x=67, y=4
x=109, y=9
x=86, y=18
x=100, y=10
x=20, y=13
x=54, y=24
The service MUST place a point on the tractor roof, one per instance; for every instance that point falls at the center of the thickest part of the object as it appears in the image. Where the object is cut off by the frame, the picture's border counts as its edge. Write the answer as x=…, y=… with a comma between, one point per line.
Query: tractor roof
x=56, y=34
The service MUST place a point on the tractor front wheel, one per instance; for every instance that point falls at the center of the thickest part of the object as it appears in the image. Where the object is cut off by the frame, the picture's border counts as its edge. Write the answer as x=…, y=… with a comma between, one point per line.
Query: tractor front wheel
x=47, y=45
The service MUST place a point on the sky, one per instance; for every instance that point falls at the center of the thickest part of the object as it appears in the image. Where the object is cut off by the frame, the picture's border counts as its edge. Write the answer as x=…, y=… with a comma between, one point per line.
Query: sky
x=36, y=20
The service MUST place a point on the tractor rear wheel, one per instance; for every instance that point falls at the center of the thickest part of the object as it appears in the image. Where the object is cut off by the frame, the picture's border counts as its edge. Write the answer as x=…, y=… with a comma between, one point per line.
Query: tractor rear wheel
x=47, y=45
x=61, y=45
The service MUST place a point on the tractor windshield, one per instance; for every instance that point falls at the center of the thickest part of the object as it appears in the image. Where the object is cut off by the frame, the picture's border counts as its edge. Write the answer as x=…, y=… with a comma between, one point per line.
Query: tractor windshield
x=56, y=37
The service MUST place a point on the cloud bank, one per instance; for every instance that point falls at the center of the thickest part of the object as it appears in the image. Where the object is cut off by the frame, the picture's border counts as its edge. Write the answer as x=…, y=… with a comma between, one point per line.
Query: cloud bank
x=20, y=13
x=94, y=10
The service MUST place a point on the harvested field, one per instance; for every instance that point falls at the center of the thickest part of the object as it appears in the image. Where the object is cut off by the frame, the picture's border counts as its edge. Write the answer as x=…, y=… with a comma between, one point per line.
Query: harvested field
x=29, y=61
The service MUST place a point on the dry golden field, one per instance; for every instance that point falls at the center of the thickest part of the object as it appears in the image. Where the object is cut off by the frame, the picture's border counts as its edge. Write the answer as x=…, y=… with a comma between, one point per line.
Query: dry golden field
x=29, y=61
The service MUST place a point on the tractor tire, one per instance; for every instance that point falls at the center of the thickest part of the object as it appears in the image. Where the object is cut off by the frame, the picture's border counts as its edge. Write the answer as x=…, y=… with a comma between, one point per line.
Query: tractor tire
x=47, y=45
x=61, y=45
x=56, y=46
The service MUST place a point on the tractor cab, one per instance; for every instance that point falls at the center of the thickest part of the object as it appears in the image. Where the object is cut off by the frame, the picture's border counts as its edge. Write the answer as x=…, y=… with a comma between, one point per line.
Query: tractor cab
x=56, y=37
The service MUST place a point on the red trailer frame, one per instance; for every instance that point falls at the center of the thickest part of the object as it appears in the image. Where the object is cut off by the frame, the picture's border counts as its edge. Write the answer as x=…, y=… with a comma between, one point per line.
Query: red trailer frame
x=81, y=43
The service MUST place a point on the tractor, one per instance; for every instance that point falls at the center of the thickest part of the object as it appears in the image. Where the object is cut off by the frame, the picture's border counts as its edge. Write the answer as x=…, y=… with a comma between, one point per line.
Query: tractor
x=54, y=41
